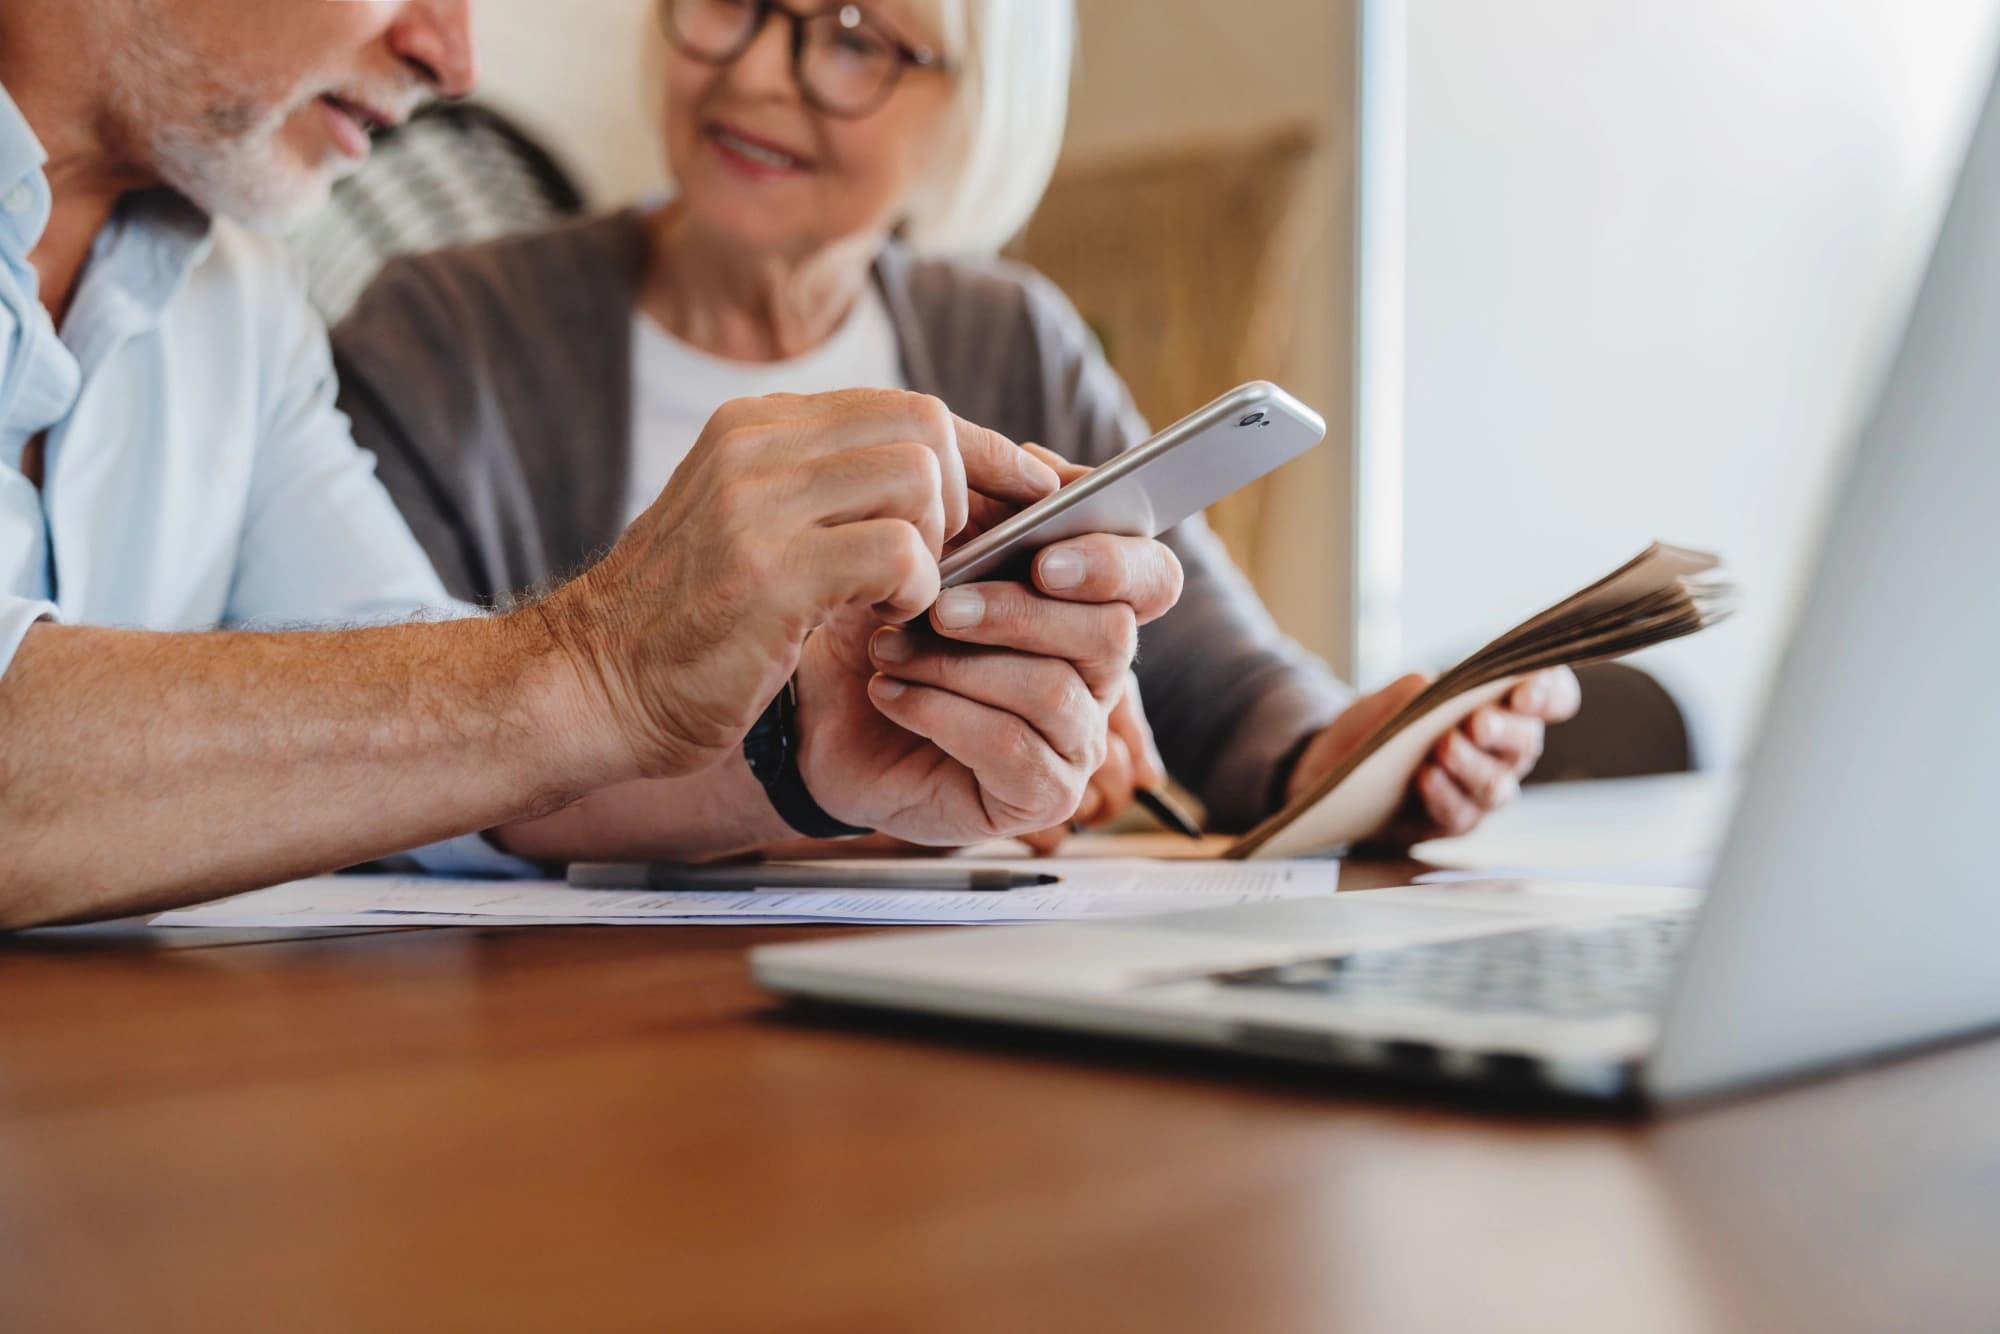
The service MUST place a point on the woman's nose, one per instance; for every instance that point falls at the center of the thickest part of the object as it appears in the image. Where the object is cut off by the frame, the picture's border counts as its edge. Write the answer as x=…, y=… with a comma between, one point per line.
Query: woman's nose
x=765, y=66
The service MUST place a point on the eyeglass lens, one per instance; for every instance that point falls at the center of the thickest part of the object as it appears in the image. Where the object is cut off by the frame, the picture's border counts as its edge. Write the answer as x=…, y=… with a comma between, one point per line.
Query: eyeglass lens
x=844, y=63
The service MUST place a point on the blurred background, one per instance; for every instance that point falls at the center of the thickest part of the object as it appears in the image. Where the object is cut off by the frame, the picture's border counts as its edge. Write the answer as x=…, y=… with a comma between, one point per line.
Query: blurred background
x=1563, y=276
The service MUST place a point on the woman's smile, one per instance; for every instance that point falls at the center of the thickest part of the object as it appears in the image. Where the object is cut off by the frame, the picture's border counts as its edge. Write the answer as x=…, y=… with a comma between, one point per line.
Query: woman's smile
x=755, y=156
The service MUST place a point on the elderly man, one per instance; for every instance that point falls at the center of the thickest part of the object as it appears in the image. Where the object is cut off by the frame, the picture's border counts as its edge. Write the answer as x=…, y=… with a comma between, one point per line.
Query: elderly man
x=171, y=462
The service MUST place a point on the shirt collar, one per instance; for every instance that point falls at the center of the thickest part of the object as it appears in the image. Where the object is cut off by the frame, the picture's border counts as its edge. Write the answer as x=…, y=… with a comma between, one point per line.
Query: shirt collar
x=24, y=190
x=139, y=264
x=146, y=250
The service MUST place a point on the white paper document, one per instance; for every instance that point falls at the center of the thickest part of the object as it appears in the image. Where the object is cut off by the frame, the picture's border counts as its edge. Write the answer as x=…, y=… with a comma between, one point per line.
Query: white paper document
x=1088, y=888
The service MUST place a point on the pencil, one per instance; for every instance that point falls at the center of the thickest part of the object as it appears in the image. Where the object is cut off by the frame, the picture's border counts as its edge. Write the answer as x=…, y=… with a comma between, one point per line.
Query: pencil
x=920, y=875
x=1162, y=808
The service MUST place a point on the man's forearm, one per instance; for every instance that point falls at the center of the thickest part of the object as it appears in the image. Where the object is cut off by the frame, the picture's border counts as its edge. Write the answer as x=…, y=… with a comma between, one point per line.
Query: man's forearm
x=139, y=770
x=714, y=813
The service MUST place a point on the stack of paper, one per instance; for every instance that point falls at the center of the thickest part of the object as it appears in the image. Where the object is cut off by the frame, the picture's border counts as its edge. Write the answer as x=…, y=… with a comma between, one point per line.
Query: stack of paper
x=1087, y=888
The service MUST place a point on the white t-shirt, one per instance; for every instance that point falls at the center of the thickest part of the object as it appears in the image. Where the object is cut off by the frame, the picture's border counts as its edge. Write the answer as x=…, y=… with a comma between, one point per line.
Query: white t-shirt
x=677, y=387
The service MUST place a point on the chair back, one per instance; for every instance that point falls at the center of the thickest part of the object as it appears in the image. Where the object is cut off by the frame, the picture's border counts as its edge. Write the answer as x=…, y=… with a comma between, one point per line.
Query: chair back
x=1183, y=263
x=456, y=172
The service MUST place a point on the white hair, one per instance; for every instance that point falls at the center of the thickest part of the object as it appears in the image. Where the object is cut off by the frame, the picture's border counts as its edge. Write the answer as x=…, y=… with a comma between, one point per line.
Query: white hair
x=1012, y=106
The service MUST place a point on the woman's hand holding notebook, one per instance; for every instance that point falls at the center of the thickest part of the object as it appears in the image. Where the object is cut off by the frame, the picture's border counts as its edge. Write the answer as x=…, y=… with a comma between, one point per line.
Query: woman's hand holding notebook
x=1664, y=593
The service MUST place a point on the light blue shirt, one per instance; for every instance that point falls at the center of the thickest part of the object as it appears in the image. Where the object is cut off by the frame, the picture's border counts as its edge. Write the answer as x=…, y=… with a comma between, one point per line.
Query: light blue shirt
x=196, y=473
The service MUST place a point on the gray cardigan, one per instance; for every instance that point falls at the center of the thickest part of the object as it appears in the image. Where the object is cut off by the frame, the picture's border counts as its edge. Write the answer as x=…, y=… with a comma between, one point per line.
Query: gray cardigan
x=493, y=384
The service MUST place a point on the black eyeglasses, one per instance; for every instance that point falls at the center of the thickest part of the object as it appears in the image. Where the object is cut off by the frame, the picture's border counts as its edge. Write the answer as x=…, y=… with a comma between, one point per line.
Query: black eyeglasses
x=845, y=62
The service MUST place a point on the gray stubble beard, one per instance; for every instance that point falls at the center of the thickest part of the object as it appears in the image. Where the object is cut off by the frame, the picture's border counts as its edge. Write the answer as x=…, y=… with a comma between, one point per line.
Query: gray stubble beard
x=211, y=146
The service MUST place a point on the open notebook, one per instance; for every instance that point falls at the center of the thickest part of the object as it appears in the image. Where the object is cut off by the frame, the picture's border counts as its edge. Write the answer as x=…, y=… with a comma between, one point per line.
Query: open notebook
x=1664, y=593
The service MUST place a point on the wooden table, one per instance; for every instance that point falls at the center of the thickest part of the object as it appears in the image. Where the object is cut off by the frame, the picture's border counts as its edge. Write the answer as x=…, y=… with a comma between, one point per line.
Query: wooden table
x=593, y=1128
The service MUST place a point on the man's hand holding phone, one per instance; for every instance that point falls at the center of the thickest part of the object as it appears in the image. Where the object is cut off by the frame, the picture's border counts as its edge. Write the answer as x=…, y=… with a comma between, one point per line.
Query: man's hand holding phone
x=800, y=537
x=1000, y=697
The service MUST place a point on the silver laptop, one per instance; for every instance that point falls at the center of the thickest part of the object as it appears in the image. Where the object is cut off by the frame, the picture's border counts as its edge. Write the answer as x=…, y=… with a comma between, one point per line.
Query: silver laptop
x=1855, y=909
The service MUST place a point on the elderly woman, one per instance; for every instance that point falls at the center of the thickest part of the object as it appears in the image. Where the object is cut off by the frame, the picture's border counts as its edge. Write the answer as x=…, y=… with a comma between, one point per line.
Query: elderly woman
x=528, y=398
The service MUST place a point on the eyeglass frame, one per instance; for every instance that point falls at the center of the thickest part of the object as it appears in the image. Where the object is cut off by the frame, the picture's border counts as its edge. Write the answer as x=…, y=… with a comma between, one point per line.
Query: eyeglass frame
x=762, y=11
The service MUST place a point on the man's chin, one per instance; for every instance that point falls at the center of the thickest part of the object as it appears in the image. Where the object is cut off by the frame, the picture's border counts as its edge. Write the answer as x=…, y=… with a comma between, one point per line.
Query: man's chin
x=280, y=212
x=273, y=199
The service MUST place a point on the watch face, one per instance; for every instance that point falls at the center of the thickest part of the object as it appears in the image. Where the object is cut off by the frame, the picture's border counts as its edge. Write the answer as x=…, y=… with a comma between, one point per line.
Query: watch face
x=764, y=745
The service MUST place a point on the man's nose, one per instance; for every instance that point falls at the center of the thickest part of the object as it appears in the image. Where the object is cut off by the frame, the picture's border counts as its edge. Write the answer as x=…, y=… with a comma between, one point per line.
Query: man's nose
x=435, y=38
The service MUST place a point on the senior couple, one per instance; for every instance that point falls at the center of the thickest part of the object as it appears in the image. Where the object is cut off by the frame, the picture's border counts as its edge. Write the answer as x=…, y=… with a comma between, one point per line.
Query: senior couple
x=651, y=499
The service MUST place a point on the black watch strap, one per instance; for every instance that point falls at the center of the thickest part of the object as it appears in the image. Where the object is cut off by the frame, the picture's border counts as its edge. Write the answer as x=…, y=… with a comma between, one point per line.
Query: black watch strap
x=772, y=748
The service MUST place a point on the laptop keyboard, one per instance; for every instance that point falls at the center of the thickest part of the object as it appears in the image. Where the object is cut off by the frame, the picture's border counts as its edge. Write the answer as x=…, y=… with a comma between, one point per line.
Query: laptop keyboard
x=1565, y=972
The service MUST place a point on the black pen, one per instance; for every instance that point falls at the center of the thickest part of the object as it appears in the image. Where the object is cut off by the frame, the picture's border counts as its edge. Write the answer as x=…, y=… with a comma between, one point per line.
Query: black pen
x=1162, y=808
x=796, y=875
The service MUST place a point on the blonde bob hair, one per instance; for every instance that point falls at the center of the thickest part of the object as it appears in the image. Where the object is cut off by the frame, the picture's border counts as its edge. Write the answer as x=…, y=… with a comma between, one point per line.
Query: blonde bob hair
x=1013, y=61
x=1013, y=58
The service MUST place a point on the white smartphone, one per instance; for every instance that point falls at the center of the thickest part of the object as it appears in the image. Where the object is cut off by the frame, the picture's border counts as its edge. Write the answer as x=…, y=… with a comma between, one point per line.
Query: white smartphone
x=1151, y=487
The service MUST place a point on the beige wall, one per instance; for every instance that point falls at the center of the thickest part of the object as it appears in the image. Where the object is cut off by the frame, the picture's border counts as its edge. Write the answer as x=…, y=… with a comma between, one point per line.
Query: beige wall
x=1152, y=73
x=574, y=71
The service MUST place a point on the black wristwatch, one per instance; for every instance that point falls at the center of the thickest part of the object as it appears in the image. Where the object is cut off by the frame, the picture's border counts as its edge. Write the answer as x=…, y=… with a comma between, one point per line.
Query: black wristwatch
x=772, y=747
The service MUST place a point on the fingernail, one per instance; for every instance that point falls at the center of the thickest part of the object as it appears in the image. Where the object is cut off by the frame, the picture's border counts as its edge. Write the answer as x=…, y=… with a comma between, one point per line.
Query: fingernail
x=961, y=608
x=1035, y=472
x=892, y=645
x=1487, y=727
x=1062, y=567
x=886, y=689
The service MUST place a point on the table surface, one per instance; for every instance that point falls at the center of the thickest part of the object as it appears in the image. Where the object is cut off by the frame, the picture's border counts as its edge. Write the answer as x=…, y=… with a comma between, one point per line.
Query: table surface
x=611, y=1128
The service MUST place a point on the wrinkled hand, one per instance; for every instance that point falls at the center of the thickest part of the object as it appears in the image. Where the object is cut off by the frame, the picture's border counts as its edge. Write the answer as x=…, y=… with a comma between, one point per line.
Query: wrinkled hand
x=1474, y=770
x=1130, y=756
x=1131, y=761
x=790, y=512
x=987, y=719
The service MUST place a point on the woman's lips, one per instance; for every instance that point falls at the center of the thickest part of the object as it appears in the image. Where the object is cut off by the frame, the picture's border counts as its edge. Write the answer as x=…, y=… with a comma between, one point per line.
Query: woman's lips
x=754, y=157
